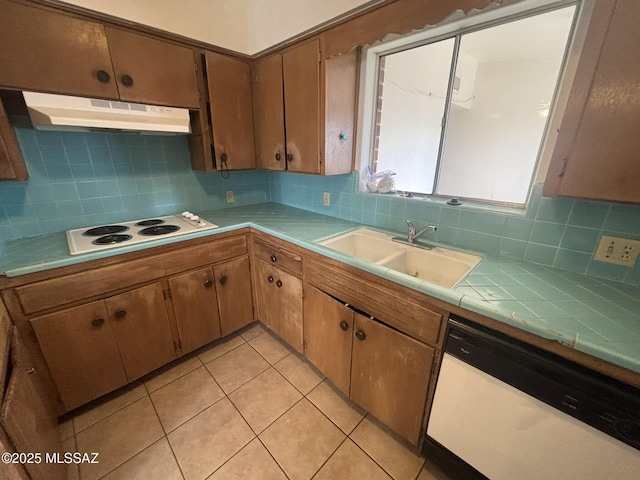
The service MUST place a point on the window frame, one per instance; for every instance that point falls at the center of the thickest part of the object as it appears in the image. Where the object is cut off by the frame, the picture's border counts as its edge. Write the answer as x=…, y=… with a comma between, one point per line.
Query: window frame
x=454, y=27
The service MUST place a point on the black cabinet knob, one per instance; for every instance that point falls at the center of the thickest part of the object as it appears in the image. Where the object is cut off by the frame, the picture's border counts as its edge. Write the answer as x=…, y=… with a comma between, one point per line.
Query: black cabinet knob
x=289, y=157
x=278, y=156
x=126, y=80
x=222, y=279
x=274, y=259
x=97, y=322
x=360, y=335
x=103, y=77
x=270, y=278
x=121, y=313
x=208, y=283
x=344, y=326
x=279, y=283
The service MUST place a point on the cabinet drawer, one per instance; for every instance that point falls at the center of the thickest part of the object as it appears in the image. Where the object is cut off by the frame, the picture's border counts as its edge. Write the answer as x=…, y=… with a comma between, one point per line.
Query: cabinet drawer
x=279, y=257
x=94, y=282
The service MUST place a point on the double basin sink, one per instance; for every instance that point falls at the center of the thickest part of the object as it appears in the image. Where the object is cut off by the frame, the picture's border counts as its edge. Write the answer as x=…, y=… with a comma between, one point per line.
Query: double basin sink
x=440, y=266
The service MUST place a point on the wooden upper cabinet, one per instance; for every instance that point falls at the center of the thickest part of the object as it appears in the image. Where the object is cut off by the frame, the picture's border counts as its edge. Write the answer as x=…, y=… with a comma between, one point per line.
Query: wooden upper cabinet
x=596, y=153
x=269, y=113
x=301, y=73
x=45, y=51
x=152, y=71
x=229, y=82
x=12, y=166
x=315, y=99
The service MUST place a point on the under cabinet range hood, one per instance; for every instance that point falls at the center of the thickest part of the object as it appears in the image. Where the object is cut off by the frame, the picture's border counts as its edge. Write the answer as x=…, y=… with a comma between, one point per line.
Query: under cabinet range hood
x=62, y=112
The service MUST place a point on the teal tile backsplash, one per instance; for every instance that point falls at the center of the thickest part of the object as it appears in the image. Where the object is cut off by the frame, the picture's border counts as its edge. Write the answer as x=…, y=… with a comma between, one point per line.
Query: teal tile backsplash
x=81, y=179
x=557, y=232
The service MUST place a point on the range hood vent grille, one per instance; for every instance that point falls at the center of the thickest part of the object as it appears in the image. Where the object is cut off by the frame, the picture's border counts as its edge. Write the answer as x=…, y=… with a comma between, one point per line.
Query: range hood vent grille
x=61, y=112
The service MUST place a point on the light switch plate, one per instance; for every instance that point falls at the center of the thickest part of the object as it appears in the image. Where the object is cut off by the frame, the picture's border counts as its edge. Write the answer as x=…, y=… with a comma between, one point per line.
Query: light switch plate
x=620, y=251
x=326, y=199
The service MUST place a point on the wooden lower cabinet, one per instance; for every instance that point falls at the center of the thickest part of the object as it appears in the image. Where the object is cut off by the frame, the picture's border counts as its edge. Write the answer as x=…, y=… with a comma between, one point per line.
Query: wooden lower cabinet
x=384, y=371
x=81, y=351
x=390, y=374
x=98, y=347
x=279, y=298
x=235, y=294
x=328, y=334
x=28, y=420
x=141, y=326
x=193, y=296
x=212, y=302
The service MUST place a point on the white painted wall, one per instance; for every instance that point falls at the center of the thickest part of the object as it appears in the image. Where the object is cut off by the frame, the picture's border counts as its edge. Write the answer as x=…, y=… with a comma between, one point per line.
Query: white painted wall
x=245, y=26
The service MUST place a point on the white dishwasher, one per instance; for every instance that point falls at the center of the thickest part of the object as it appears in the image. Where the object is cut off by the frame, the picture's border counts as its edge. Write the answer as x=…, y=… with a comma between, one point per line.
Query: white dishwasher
x=512, y=411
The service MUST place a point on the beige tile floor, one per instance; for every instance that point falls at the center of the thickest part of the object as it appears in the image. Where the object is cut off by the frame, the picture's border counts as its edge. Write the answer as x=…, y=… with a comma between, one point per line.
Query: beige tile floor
x=245, y=407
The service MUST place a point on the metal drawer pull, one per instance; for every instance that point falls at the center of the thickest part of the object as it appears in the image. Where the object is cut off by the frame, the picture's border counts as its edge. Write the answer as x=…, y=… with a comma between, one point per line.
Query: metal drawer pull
x=344, y=325
x=274, y=259
x=97, y=322
x=208, y=283
x=270, y=278
x=222, y=279
x=279, y=283
x=360, y=335
x=121, y=313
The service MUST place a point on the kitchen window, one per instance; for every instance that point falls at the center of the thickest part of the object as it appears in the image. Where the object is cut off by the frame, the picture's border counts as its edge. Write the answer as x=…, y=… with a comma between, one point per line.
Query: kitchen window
x=464, y=114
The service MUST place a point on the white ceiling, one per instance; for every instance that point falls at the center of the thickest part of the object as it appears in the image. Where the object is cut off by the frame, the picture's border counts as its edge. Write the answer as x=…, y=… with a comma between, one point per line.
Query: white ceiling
x=245, y=26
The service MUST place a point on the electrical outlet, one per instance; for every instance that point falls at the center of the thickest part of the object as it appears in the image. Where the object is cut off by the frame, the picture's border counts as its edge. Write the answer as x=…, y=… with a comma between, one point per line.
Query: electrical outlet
x=326, y=199
x=620, y=251
x=230, y=197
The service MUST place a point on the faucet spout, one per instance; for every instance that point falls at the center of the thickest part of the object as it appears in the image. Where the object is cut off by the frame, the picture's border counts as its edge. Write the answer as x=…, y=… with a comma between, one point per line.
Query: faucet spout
x=412, y=235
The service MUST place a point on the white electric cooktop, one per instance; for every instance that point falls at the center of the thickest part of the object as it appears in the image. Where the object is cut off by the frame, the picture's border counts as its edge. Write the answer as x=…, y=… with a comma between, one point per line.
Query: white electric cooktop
x=83, y=240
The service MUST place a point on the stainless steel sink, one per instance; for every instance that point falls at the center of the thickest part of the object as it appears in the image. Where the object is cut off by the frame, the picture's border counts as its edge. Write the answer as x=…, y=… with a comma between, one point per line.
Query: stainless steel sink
x=441, y=266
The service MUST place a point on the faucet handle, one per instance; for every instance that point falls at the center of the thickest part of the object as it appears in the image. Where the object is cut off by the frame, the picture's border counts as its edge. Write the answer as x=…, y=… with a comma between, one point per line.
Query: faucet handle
x=412, y=228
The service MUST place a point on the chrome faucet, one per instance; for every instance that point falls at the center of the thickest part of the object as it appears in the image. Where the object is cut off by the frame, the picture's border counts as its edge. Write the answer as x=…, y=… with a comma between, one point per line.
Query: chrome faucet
x=412, y=236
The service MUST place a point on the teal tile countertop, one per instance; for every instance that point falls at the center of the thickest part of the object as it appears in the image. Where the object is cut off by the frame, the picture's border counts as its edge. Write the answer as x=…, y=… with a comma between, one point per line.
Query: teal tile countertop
x=595, y=316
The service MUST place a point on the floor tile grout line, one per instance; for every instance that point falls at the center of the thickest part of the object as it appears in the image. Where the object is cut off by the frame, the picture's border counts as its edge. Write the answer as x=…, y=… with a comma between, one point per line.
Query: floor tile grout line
x=374, y=460
x=112, y=413
x=153, y=443
x=329, y=457
x=221, y=355
x=274, y=459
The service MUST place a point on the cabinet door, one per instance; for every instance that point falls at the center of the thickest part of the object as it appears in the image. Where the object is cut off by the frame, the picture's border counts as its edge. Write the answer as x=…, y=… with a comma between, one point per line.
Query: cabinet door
x=141, y=326
x=81, y=352
x=301, y=73
x=328, y=329
x=193, y=296
x=267, y=302
x=28, y=420
x=390, y=374
x=231, y=111
x=12, y=166
x=269, y=114
x=279, y=297
x=596, y=155
x=235, y=298
x=152, y=71
x=46, y=51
